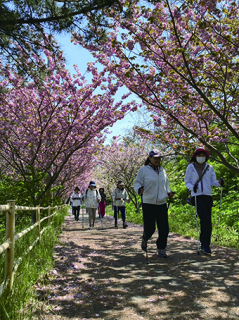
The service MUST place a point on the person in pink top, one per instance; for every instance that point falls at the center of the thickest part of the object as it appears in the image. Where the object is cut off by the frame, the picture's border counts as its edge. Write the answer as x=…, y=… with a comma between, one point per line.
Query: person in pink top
x=101, y=208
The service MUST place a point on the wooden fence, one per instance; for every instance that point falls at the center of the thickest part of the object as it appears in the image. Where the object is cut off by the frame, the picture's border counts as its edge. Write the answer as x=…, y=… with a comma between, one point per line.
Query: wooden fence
x=10, y=265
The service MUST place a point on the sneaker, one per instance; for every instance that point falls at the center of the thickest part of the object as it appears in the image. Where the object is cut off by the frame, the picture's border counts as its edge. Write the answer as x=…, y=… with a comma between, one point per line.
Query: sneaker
x=162, y=253
x=125, y=225
x=207, y=250
x=116, y=226
x=144, y=245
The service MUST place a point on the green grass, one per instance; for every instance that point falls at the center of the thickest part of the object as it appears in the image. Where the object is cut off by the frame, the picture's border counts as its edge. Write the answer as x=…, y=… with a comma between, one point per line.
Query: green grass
x=182, y=220
x=20, y=303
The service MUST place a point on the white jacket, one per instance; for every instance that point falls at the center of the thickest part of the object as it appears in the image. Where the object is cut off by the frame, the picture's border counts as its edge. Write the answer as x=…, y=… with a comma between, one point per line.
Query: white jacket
x=76, y=199
x=156, y=185
x=122, y=194
x=91, y=197
x=209, y=179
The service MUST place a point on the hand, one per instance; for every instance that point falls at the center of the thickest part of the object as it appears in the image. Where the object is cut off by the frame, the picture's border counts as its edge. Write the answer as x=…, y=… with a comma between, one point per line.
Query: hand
x=195, y=187
x=171, y=194
x=128, y=201
x=221, y=182
x=141, y=190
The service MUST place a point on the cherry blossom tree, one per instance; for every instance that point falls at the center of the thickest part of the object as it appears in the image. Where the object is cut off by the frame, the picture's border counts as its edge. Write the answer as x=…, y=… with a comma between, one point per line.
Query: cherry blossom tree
x=121, y=160
x=49, y=118
x=181, y=59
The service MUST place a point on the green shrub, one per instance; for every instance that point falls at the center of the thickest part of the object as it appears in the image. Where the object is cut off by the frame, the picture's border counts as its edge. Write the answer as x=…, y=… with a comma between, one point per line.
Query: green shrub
x=20, y=303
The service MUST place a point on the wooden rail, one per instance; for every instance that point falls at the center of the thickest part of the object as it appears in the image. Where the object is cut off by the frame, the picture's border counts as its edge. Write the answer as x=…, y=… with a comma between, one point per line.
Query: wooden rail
x=8, y=246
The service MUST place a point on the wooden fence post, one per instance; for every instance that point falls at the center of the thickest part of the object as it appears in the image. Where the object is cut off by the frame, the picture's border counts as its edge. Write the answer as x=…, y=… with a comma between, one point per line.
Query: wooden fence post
x=10, y=233
x=49, y=213
x=38, y=222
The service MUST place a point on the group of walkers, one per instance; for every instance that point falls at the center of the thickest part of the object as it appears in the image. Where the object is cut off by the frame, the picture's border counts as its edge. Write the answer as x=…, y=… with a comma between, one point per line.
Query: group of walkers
x=152, y=184
x=95, y=199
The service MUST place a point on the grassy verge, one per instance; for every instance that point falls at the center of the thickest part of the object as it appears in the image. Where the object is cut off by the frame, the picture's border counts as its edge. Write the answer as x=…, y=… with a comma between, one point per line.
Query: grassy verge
x=182, y=220
x=21, y=302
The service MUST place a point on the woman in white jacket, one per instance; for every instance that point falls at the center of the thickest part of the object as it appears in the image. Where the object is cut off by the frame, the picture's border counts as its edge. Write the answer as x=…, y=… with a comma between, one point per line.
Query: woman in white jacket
x=199, y=178
x=76, y=202
x=92, y=198
x=153, y=185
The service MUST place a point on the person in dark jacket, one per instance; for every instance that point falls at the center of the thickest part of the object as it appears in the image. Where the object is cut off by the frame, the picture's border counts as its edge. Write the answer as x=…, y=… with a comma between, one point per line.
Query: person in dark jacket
x=101, y=207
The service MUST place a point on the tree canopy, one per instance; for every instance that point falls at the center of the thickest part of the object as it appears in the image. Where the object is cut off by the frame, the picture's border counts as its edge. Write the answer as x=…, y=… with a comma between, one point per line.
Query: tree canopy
x=181, y=60
x=24, y=22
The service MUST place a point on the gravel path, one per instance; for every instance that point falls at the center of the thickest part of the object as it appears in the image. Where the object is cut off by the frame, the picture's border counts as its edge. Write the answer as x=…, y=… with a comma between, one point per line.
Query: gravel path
x=101, y=274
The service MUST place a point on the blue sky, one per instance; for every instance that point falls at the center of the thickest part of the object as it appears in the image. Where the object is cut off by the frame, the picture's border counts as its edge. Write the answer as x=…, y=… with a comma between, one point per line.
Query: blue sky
x=75, y=54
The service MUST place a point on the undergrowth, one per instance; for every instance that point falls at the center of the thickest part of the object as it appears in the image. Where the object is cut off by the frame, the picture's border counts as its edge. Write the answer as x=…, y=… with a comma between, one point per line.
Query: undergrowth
x=182, y=220
x=21, y=302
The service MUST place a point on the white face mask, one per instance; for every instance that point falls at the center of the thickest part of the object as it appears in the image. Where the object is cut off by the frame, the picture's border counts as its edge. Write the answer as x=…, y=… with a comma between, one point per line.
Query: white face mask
x=200, y=159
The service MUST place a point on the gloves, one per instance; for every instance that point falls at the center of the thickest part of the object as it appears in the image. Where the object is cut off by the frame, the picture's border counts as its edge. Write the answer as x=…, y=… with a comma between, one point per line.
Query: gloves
x=195, y=187
x=222, y=182
x=139, y=190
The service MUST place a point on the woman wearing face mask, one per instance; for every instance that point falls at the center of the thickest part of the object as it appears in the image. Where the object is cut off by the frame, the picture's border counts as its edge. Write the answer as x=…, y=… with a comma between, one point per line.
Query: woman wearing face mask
x=199, y=178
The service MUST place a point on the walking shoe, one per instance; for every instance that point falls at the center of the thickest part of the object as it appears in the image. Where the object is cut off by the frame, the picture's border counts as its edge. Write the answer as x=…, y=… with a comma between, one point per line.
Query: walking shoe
x=116, y=227
x=125, y=225
x=162, y=253
x=144, y=245
x=207, y=250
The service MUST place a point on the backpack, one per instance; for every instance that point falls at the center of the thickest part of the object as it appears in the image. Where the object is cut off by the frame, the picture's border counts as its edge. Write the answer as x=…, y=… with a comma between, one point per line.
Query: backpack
x=87, y=191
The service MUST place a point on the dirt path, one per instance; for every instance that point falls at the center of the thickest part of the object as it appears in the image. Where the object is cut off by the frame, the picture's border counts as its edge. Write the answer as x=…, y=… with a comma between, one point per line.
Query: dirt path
x=101, y=274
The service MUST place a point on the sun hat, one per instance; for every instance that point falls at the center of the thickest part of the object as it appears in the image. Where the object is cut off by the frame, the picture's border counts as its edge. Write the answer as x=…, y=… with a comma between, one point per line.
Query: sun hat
x=199, y=150
x=92, y=183
x=155, y=153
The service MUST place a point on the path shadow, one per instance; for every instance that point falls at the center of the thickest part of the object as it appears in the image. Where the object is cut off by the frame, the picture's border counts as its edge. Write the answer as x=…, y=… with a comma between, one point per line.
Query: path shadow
x=101, y=274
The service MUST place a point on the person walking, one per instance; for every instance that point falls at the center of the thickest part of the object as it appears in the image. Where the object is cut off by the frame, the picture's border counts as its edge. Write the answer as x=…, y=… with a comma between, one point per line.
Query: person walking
x=76, y=202
x=120, y=197
x=152, y=184
x=101, y=208
x=199, y=178
x=92, y=198
x=115, y=207
x=69, y=201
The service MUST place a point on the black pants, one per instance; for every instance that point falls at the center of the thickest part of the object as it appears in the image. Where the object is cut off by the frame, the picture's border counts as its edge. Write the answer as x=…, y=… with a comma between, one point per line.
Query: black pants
x=156, y=213
x=76, y=212
x=204, y=211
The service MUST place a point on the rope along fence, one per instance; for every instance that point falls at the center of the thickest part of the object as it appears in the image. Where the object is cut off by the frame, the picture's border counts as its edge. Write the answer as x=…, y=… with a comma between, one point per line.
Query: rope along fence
x=8, y=246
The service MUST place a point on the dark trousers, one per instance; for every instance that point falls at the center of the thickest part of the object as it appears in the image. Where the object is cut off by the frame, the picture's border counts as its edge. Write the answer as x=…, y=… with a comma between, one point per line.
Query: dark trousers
x=156, y=213
x=76, y=212
x=204, y=211
x=116, y=213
